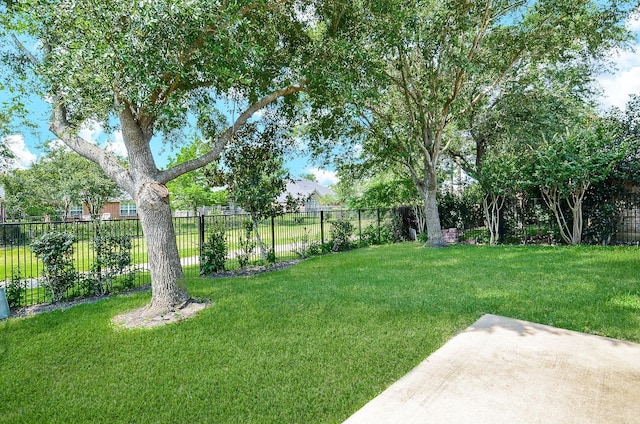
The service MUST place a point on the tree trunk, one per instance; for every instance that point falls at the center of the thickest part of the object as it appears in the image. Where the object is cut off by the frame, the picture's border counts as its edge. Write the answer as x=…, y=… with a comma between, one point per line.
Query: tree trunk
x=419, y=214
x=263, y=250
x=492, y=205
x=552, y=198
x=576, y=236
x=167, y=285
x=431, y=214
x=575, y=204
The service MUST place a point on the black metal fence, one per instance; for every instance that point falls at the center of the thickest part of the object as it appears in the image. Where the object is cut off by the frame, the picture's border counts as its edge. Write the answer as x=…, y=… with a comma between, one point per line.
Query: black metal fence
x=530, y=221
x=285, y=237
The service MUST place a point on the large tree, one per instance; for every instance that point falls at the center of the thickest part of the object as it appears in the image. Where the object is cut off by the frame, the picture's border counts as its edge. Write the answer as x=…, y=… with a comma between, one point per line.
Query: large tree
x=154, y=68
x=424, y=66
x=528, y=110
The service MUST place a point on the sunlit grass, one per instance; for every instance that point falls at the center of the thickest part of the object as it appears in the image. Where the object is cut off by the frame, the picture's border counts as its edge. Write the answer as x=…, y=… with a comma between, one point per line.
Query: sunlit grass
x=309, y=344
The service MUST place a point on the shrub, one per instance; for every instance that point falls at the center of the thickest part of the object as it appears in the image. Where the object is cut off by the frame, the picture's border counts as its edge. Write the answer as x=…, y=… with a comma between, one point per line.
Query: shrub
x=461, y=210
x=271, y=256
x=113, y=257
x=371, y=235
x=214, y=251
x=393, y=230
x=341, y=232
x=55, y=249
x=11, y=234
x=304, y=247
x=315, y=249
x=15, y=290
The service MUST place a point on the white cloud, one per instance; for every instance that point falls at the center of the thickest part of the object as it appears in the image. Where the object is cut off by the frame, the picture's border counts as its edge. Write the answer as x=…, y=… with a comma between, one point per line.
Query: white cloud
x=94, y=132
x=633, y=24
x=23, y=156
x=324, y=177
x=117, y=147
x=91, y=131
x=619, y=85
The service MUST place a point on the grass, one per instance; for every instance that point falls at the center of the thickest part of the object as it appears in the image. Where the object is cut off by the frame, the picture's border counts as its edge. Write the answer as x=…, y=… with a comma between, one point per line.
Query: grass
x=312, y=343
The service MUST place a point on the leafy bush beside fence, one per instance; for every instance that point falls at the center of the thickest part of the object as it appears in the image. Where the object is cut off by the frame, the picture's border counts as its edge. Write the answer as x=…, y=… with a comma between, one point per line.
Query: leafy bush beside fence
x=55, y=249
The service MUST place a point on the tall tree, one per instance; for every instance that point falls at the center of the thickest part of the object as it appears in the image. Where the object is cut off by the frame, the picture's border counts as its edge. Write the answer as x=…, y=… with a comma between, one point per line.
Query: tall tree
x=534, y=108
x=145, y=68
x=628, y=170
x=424, y=66
x=565, y=166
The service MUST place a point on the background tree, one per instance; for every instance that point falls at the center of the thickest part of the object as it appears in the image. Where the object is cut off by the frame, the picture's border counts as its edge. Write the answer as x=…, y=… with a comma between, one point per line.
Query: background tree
x=606, y=200
x=58, y=180
x=628, y=125
x=527, y=111
x=565, y=166
x=425, y=66
x=383, y=190
x=190, y=191
x=309, y=177
x=23, y=195
x=499, y=180
x=254, y=174
x=147, y=68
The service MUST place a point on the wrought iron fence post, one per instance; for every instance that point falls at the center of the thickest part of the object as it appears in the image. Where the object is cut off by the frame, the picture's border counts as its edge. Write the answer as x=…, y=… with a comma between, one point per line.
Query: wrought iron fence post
x=273, y=237
x=200, y=240
x=322, y=227
x=378, y=217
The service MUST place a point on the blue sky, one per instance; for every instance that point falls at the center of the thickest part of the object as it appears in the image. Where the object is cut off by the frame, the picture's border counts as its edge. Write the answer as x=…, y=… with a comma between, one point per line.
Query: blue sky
x=616, y=88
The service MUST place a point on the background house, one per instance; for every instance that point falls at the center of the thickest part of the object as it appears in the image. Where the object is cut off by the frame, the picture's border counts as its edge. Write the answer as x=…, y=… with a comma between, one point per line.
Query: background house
x=113, y=209
x=316, y=196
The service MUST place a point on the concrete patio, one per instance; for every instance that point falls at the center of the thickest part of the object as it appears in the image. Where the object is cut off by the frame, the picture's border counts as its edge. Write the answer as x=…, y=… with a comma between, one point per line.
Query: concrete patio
x=501, y=370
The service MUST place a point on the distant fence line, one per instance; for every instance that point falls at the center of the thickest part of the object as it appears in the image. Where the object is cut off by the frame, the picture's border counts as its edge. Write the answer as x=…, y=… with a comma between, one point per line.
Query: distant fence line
x=287, y=237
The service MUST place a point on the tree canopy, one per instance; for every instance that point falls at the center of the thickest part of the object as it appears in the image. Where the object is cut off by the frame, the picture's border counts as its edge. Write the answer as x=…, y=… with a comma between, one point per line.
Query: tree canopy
x=424, y=67
x=565, y=166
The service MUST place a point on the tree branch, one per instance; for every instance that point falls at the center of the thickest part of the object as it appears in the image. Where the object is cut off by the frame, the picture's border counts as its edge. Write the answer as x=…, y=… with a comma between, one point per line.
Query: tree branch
x=64, y=131
x=222, y=140
x=60, y=126
x=34, y=61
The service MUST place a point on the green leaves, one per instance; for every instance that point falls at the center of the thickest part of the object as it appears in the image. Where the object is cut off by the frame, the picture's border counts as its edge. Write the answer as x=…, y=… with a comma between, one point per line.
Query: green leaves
x=57, y=181
x=190, y=191
x=55, y=250
x=254, y=174
x=154, y=55
x=571, y=161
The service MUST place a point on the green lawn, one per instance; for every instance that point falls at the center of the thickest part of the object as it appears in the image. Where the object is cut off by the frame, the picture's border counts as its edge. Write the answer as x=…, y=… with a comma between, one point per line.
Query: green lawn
x=309, y=344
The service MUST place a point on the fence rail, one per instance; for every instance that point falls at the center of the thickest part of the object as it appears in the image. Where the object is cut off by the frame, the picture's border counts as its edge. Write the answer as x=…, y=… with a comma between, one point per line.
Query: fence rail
x=285, y=237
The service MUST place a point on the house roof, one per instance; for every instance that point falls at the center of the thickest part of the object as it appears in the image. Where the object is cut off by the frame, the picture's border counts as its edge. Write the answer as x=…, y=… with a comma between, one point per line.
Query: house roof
x=304, y=189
